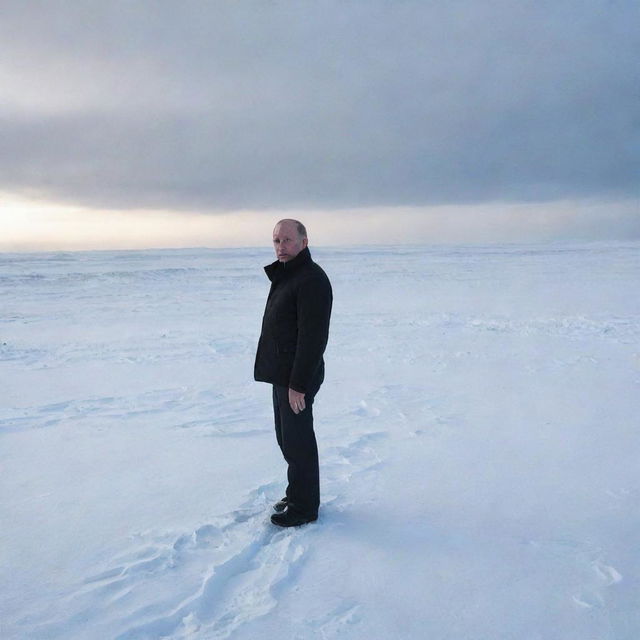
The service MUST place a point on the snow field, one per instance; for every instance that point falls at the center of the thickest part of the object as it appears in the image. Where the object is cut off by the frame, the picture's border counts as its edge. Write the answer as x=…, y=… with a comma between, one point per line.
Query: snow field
x=477, y=432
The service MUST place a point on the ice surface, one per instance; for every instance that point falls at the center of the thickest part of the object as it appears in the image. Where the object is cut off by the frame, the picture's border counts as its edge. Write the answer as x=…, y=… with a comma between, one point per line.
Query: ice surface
x=478, y=433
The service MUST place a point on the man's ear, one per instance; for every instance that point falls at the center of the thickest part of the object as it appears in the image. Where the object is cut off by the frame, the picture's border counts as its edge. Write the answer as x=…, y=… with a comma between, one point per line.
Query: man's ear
x=305, y=242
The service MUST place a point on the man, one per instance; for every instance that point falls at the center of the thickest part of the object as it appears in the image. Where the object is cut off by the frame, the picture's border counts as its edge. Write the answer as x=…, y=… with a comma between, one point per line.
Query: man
x=295, y=329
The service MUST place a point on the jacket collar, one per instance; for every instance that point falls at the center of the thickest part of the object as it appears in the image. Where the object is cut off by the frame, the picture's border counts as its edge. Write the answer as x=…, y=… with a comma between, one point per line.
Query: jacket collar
x=277, y=269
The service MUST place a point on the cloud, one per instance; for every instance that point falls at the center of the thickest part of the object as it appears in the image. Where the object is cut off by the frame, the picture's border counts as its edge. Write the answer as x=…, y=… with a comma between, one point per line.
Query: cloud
x=324, y=105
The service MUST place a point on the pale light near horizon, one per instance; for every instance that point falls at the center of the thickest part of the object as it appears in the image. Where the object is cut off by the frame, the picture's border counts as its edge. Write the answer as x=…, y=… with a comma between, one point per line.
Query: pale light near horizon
x=35, y=225
x=27, y=225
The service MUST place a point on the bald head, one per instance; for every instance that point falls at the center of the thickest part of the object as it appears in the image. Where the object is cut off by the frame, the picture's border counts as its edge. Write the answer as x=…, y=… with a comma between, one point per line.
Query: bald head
x=302, y=231
x=289, y=239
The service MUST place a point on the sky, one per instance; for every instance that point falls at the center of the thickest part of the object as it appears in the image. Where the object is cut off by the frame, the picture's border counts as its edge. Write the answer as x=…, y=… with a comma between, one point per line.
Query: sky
x=151, y=123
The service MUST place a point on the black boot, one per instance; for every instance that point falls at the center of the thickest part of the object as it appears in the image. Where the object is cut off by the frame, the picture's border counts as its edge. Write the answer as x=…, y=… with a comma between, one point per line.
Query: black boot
x=281, y=505
x=290, y=518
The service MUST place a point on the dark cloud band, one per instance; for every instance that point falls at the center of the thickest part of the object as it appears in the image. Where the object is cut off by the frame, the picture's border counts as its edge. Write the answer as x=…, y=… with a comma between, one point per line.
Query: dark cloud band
x=330, y=104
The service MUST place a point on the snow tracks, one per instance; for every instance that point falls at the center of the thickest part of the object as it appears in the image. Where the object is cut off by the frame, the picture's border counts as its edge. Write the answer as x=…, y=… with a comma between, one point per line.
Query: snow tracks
x=211, y=581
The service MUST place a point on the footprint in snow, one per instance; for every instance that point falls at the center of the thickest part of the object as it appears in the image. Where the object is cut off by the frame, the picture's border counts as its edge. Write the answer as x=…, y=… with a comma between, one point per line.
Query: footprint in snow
x=593, y=596
x=234, y=592
x=217, y=577
x=607, y=574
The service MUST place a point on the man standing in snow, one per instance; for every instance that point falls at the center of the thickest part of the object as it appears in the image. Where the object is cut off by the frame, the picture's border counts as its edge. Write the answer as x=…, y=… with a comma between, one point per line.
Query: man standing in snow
x=295, y=329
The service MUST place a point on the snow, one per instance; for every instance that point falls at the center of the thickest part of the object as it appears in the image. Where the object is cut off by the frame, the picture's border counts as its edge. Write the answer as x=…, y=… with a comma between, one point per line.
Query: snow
x=478, y=435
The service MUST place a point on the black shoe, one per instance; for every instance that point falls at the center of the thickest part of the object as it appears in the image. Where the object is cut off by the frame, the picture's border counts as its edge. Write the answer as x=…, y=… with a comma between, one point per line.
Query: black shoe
x=291, y=519
x=281, y=505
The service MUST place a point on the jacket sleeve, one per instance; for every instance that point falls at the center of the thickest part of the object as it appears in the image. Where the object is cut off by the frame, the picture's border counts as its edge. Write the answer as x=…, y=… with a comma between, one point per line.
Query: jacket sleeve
x=314, y=301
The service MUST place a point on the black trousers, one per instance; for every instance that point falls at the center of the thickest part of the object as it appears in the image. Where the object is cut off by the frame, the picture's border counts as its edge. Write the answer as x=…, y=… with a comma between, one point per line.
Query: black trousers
x=297, y=441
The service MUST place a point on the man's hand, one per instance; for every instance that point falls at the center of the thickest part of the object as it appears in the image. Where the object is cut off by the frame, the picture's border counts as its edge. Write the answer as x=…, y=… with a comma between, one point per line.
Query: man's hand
x=296, y=401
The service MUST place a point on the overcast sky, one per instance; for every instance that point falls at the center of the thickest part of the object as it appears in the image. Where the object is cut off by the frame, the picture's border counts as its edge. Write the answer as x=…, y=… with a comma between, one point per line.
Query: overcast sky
x=330, y=108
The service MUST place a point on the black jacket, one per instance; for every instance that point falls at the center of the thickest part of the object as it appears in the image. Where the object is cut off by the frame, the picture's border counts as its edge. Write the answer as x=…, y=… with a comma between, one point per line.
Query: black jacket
x=295, y=326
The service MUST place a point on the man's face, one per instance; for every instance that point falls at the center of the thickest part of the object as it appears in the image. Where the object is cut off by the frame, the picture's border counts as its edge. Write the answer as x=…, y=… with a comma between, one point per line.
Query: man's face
x=287, y=242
